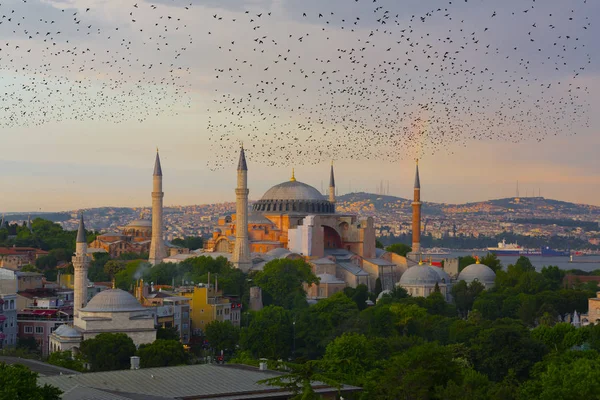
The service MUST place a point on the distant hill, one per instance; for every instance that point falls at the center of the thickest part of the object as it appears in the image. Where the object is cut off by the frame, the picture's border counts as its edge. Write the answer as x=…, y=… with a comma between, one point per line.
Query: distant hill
x=499, y=206
x=380, y=203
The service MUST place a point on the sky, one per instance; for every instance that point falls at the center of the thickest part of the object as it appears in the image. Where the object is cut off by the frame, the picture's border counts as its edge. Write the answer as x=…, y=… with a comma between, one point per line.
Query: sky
x=84, y=110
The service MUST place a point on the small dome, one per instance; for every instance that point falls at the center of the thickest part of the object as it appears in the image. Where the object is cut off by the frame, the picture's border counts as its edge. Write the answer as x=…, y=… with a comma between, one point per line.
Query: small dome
x=293, y=190
x=217, y=230
x=479, y=272
x=257, y=218
x=113, y=300
x=279, y=252
x=420, y=275
x=140, y=223
x=67, y=331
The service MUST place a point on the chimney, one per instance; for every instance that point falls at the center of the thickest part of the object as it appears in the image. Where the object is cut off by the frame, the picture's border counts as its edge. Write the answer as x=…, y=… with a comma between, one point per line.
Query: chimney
x=262, y=365
x=135, y=362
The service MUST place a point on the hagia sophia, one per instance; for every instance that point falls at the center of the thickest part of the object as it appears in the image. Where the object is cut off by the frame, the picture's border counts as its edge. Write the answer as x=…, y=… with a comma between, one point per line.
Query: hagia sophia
x=292, y=220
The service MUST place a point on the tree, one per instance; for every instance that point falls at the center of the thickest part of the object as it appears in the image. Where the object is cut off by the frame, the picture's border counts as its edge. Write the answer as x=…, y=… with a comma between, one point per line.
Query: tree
x=65, y=359
x=378, y=244
x=17, y=382
x=359, y=294
x=492, y=261
x=282, y=280
x=222, y=335
x=29, y=268
x=465, y=295
x=399, y=248
x=505, y=345
x=554, y=276
x=415, y=373
x=162, y=353
x=578, y=379
x=270, y=334
x=349, y=357
x=167, y=333
x=108, y=351
x=299, y=379
x=113, y=267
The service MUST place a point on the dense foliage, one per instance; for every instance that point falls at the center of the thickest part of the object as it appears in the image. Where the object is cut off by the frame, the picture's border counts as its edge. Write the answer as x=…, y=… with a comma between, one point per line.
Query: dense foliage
x=504, y=343
x=17, y=382
x=162, y=353
x=108, y=351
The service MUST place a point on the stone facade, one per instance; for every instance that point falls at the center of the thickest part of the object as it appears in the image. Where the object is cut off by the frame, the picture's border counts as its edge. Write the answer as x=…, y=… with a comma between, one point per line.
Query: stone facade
x=157, y=246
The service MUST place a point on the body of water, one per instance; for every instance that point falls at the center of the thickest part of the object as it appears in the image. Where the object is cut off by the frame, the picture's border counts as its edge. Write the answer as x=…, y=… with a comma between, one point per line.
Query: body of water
x=584, y=263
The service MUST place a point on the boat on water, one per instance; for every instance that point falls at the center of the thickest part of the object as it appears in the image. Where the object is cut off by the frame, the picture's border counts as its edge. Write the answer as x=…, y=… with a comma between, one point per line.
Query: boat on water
x=436, y=251
x=514, y=249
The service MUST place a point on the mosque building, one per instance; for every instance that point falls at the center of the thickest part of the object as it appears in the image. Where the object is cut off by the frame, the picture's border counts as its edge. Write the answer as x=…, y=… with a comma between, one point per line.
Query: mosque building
x=110, y=311
x=294, y=220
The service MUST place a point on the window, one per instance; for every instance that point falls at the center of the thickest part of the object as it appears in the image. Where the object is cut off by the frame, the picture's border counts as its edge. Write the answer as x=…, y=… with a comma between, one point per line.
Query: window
x=28, y=329
x=39, y=329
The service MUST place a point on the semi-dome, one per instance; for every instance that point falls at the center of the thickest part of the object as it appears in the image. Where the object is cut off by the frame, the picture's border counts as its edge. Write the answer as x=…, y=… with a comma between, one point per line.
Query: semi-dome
x=478, y=272
x=419, y=275
x=294, y=196
x=113, y=300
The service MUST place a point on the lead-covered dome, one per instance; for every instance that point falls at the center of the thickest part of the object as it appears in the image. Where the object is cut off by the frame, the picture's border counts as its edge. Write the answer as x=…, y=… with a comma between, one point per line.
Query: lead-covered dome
x=478, y=272
x=294, y=196
x=420, y=275
x=113, y=300
x=293, y=190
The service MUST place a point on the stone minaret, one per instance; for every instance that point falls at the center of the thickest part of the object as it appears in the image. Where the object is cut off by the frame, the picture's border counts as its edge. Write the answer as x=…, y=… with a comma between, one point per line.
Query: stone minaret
x=241, y=251
x=157, y=246
x=416, y=214
x=81, y=262
x=331, y=185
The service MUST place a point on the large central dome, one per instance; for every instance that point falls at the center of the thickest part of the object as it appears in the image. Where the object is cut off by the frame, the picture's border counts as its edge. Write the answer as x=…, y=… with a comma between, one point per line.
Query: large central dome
x=294, y=196
x=293, y=190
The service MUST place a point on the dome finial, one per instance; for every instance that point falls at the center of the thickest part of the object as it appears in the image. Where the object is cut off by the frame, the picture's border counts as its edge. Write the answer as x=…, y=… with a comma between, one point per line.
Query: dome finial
x=293, y=178
x=477, y=260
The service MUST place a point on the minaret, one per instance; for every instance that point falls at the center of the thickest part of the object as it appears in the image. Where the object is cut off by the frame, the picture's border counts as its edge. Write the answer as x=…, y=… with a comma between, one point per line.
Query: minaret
x=416, y=214
x=29, y=223
x=241, y=251
x=331, y=185
x=81, y=262
x=157, y=246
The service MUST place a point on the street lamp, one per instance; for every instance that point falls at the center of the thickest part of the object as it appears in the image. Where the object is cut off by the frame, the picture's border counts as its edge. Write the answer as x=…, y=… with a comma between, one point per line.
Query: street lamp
x=294, y=341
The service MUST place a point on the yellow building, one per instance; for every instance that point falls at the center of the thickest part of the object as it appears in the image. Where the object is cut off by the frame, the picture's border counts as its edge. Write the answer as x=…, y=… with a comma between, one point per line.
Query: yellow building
x=207, y=305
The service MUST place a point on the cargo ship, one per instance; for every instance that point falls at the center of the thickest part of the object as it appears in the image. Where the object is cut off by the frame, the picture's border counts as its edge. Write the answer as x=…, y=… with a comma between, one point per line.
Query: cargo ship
x=513, y=249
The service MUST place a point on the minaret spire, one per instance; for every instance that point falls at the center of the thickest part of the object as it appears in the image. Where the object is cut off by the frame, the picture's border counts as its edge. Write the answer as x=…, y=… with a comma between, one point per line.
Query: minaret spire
x=81, y=263
x=241, y=250
x=416, y=211
x=331, y=185
x=157, y=245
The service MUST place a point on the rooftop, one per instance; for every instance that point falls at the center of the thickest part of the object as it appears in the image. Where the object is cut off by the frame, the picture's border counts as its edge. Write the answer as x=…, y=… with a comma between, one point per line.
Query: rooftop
x=203, y=381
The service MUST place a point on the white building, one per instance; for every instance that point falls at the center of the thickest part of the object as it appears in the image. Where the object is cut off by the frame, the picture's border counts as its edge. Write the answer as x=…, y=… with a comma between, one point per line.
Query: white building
x=110, y=311
x=8, y=320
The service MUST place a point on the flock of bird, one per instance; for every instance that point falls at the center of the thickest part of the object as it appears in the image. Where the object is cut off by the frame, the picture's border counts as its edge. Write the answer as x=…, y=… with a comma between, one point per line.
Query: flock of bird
x=357, y=79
